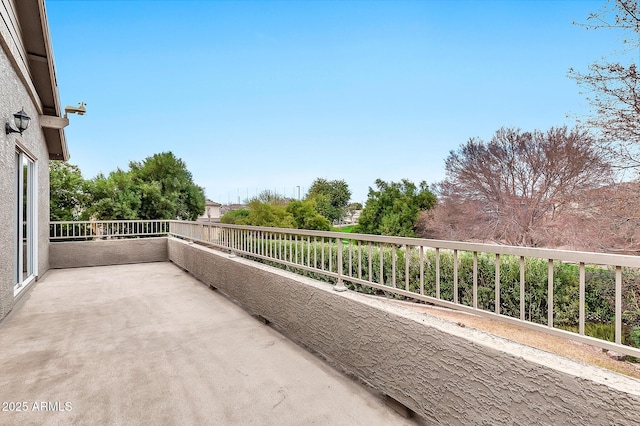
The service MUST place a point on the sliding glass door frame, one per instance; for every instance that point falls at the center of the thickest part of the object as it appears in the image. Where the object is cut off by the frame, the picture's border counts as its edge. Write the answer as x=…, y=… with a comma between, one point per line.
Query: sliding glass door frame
x=26, y=221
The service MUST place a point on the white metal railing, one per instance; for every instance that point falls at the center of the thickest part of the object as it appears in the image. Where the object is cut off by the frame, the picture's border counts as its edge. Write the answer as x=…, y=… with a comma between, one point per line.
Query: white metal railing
x=447, y=273
x=521, y=285
x=107, y=229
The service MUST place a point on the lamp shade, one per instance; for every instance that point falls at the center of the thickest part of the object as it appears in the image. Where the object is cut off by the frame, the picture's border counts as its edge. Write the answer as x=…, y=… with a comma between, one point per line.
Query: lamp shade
x=22, y=120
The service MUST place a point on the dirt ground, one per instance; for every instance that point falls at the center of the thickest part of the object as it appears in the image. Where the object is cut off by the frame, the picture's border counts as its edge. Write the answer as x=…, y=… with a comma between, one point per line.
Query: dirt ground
x=577, y=351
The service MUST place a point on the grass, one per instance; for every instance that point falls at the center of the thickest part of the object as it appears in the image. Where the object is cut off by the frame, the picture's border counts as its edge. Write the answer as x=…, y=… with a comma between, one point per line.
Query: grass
x=347, y=229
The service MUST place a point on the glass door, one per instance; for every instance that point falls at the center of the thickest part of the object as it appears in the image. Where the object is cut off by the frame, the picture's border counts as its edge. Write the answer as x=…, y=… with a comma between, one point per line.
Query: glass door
x=25, y=230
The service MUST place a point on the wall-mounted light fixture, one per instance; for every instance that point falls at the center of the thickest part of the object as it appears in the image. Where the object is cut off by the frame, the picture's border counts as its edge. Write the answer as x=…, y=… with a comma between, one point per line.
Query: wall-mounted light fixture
x=21, y=119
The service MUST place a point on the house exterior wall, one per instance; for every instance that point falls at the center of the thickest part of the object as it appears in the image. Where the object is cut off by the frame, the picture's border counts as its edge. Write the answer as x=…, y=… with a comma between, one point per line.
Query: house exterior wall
x=14, y=52
x=211, y=212
x=17, y=94
x=446, y=373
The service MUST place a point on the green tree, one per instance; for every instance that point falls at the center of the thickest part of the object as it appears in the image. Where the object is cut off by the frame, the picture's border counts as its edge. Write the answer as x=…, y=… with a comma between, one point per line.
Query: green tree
x=166, y=188
x=68, y=192
x=113, y=197
x=267, y=214
x=160, y=187
x=235, y=217
x=271, y=197
x=330, y=197
x=277, y=213
x=354, y=206
x=394, y=208
x=305, y=216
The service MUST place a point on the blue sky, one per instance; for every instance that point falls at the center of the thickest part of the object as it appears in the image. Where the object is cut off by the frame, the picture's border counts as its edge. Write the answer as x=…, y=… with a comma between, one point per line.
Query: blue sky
x=257, y=95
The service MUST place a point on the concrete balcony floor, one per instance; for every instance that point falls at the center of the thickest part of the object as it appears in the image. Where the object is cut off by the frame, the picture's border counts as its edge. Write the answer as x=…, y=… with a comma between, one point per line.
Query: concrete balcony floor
x=148, y=344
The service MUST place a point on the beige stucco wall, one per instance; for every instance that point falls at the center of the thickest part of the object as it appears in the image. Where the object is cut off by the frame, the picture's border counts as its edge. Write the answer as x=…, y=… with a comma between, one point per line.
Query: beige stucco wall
x=14, y=50
x=75, y=254
x=448, y=374
x=14, y=97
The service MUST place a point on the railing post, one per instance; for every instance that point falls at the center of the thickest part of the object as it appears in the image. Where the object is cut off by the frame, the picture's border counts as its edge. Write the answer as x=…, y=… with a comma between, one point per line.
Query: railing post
x=618, y=306
x=582, y=293
x=406, y=267
x=550, y=294
x=422, y=270
x=339, y=284
x=232, y=252
x=522, y=289
x=475, y=280
x=437, y=273
x=455, y=276
x=497, y=286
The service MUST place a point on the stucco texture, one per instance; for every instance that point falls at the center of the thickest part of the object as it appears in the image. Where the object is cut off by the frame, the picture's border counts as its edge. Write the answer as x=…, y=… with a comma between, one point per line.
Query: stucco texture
x=445, y=373
x=75, y=254
x=15, y=97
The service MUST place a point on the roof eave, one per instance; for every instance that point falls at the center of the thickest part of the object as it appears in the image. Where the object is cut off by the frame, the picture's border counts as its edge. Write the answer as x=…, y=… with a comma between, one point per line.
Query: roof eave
x=32, y=15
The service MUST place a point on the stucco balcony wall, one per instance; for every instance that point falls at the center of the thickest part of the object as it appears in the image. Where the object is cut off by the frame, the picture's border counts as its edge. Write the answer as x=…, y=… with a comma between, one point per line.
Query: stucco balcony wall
x=76, y=254
x=448, y=374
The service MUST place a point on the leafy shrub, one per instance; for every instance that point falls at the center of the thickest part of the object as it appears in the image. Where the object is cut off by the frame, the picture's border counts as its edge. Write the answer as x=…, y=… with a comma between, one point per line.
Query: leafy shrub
x=634, y=336
x=236, y=217
x=364, y=262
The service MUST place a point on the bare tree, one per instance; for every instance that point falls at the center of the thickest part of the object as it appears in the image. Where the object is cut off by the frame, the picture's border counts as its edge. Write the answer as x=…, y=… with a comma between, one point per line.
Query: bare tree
x=621, y=215
x=455, y=219
x=613, y=86
x=605, y=219
x=517, y=184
